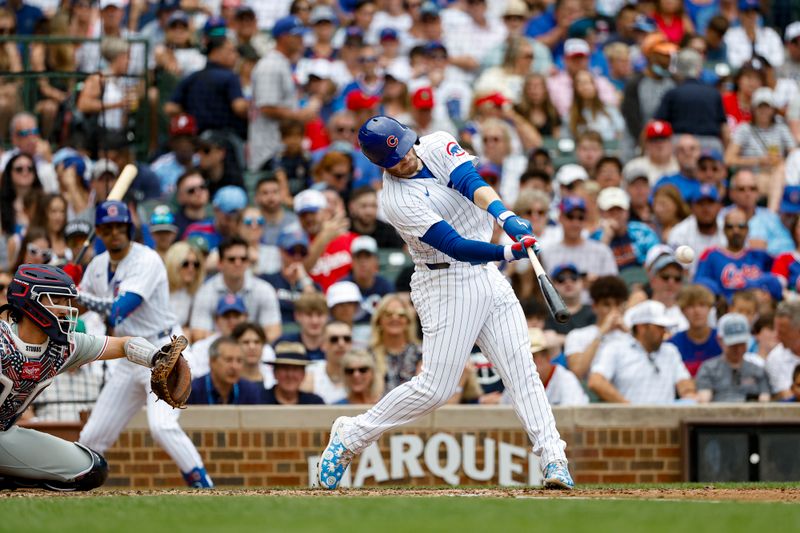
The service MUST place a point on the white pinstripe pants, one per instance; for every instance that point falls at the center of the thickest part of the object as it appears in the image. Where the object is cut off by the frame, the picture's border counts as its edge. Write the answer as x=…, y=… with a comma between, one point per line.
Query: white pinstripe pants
x=459, y=307
x=123, y=396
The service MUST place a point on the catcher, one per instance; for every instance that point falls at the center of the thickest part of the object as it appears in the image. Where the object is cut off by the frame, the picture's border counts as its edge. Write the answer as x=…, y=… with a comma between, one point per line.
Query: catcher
x=38, y=343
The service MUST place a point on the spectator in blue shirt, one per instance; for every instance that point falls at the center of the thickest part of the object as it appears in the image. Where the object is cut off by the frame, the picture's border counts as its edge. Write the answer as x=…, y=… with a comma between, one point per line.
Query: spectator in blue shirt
x=27, y=16
x=228, y=205
x=224, y=385
x=699, y=342
x=629, y=240
x=372, y=285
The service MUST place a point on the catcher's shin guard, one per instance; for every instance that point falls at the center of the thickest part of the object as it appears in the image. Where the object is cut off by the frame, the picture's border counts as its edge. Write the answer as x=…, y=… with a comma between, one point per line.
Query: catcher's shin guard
x=92, y=478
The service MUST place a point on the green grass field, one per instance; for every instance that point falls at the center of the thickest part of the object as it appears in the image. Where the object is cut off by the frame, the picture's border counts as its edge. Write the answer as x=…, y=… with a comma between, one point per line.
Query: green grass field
x=178, y=513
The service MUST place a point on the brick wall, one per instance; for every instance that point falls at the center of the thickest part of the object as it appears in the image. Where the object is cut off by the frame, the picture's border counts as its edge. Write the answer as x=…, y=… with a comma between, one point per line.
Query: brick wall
x=268, y=446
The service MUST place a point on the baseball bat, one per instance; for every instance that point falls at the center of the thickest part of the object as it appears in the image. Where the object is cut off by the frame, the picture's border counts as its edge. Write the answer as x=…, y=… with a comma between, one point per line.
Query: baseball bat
x=554, y=302
x=117, y=192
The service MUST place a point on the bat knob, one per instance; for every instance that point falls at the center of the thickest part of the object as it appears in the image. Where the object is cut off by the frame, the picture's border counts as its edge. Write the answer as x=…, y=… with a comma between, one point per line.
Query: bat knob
x=562, y=316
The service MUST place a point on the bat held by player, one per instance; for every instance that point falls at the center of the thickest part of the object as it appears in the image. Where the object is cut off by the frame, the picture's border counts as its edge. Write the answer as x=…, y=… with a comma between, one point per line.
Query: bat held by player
x=551, y=296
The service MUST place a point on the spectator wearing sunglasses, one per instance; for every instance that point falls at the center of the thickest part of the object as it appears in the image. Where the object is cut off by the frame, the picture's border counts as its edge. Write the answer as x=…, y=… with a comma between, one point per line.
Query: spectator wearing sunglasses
x=26, y=139
x=217, y=162
x=229, y=202
x=185, y=273
x=326, y=378
x=19, y=179
x=264, y=259
x=665, y=276
x=35, y=249
x=291, y=281
x=192, y=197
x=394, y=342
x=360, y=382
x=235, y=277
x=569, y=282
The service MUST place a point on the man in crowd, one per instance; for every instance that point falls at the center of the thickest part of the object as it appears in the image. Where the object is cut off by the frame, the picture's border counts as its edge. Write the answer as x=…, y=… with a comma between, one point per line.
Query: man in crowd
x=640, y=368
x=26, y=139
x=217, y=161
x=731, y=377
x=223, y=385
x=277, y=219
x=292, y=280
x=698, y=343
x=181, y=157
x=569, y=283
x=665, y=276
x=311, y=314
x=365, y=274
x=658, y=157
x=560, y=384
x=235, y=277
x=785, y=357
x=363, y=210
x=326, y=378
x=629, y=240
x=290, y=370
x=702, y=229
x=192, y=197
x=229, y=313
x=228, y=204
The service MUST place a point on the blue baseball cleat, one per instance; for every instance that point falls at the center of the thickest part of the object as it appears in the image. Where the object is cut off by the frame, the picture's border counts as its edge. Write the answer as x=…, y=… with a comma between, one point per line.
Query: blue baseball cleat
x=557, y=476
x=334, y=459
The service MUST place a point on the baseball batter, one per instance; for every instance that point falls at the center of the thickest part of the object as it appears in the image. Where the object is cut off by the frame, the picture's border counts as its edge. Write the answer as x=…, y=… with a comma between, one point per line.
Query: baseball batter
x=438, y=203
x=35, y=346
x=128, y=284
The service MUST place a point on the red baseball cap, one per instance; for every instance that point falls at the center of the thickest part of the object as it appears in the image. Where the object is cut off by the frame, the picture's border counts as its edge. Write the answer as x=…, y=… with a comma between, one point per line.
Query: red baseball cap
x=422, y=98
x=356, y=100
x=183, y=124
x=658, y=129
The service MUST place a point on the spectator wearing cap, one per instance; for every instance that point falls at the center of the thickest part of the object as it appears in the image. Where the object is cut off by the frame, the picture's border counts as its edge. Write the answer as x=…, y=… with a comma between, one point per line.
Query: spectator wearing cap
x=154, y=29
x=640, y=368
x=569, y=282
x=658, y=151
x=735, y=267
x=783, y=360
x=698, y=343
x=392, y=59
x=26, y=139
x=275, y=94
x=422, y=119
x=76, y=232
x=427, y=24
x=344, y=301
x=329, y=257
x=177, y=56
x=277, y=218
x=217, y=161
x=560, y=84
x=235, y=277
x=666, y=276
x=181, y=157
x=74, y=180
x=289, y=368
x=733, y=376
x=637, y=185
x=323, y=25
x=191, y=195
x=229, y=311
x=701, y=229
x=365, y=274
x=291, y=280
x=363, y=210
x=592, y=257
x=765, y=230
x=228, y=203
x=711, y=169
x=342, y=131
x=470, y=38
x=694, y=107
x=326, y=377
x=213, y=96
x=245, y=30
x=224, y=384
x=643, y=93
x=571, y=179
x=163, y=229
x=515, y=18
x=751, y=38
x=791, y=66
x=629, y=240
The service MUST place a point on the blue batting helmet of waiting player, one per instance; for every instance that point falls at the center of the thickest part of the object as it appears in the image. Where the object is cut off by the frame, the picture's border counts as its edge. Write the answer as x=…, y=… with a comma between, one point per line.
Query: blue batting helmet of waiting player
x=112, y=212
x=385, y=141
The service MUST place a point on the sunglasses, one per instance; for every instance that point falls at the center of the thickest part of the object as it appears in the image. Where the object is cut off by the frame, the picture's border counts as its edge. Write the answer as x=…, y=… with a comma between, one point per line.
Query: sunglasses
x=44, y=253
x=747, y=189
x=336, y=338
x=23, y=168
x=526, y=56
x=360, y=370
x=566, y=277
x=340, y=176
x=343, y=129
x=236, y=259
x=187, y=264
x=742, y=226
x=707, y=167
x=395, y=314
x=368, y=59
x=196, y=188
x=492, y=139
x=28, y=132
x=574, y=216
x=529, y=212
x=254, y=221
x=298, y=251
x=667, y=277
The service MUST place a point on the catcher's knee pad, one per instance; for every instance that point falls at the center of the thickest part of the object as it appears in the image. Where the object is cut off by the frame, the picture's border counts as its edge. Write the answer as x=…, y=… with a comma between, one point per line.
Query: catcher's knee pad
x=90, y=479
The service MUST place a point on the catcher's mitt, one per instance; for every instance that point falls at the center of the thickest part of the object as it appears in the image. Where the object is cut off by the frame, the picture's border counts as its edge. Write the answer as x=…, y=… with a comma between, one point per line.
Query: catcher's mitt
x=171, y=379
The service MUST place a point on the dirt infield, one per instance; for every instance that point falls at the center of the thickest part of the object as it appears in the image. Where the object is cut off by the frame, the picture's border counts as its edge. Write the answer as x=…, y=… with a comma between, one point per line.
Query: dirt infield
x=755, y=494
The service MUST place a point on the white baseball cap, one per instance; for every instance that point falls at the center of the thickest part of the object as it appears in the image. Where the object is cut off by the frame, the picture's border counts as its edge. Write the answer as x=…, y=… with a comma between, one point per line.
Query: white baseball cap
x=635, y=169
x=762, y=95
x=659, y=257
x=648, y=312
x=343, y=292
x=733, y=328
x=364, y=243
x=309, y=201
x=576, y=47
x=613, y=197
x=570, y=173
x=792, y=32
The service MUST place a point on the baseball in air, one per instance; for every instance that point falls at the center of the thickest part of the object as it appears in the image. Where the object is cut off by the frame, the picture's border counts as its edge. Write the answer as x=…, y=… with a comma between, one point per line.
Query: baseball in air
x=684, y=254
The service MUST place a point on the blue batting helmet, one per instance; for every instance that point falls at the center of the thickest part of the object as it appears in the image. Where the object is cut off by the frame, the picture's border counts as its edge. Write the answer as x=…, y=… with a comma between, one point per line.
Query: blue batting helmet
x=31, y=294
x=385, y=141
x=112, y=212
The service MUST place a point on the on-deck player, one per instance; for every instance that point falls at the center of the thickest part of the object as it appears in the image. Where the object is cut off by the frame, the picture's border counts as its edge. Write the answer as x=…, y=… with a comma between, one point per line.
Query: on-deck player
x=128, y=284
x=436, y=200
x=35, y=346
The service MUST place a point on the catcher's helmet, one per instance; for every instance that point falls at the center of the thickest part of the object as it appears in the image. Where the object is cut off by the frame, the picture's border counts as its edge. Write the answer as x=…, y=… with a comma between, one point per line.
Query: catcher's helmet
x=385, y=141
x=30, y=294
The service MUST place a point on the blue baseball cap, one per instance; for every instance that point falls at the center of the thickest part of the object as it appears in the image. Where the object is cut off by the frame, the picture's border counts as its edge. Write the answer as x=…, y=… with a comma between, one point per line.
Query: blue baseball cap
x=571, y=203
x=713, y=154
x=644, y=23
x=388, y=34
x=767, y=282
x=564, y=267
x=162, y=220
x=290, y=25
x=749, y=5
x=289, y=239
x=353, y=34
x=231, y=303
x=706, y=191
x=230, y=199
x=429, y=8
x=78, y=163
x=215, y=26
x=790, y=204
x=178, y=16
x=434, y=46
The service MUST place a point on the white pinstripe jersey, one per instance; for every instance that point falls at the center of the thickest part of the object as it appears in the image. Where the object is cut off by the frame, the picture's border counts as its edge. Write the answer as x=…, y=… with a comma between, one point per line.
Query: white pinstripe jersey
x=141, y=272
x=413, y=205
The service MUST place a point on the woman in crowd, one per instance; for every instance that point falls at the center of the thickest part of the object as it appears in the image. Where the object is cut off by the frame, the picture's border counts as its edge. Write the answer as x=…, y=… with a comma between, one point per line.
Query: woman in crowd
x=395, y=100
x=185, y=274
x=263, y=259
x=535, y=106
x=589, y=113
x=669, y=208
x=737, y=102
x=492, y=104
x=51, y=215
x=257, y=353
x=496, y=141
x=671, y=20
x=35, y=248
x=510, y=76
x=19, y=181
x=394, y=342
x=360, y=382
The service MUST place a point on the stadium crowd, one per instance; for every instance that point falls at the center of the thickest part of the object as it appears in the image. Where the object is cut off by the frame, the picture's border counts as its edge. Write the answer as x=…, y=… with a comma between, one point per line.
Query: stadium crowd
x=620, y=129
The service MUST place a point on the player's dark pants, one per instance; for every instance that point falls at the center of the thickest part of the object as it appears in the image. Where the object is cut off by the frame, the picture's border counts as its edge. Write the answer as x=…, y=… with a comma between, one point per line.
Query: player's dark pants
x=31, y=458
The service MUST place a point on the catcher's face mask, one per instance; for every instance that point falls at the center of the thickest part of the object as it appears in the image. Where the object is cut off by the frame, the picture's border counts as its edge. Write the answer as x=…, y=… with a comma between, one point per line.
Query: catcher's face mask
x=66, y=315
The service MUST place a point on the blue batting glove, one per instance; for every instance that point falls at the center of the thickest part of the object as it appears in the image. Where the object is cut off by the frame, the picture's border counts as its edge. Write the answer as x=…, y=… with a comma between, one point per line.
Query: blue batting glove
x=516, y=227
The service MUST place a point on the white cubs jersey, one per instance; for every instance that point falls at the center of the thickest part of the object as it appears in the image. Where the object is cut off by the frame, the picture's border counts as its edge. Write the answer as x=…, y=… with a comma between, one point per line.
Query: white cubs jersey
x=27, y=369
x=141, y=272
x=413, y=205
